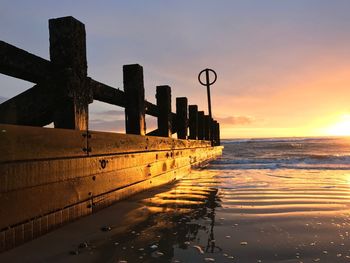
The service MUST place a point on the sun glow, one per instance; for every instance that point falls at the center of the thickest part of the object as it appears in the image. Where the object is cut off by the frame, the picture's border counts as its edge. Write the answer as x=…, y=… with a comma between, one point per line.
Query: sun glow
x=341, y=128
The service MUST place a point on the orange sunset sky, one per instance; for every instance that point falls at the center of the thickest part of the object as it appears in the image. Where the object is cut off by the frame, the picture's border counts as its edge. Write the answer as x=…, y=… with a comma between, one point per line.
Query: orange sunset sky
x=283, y=66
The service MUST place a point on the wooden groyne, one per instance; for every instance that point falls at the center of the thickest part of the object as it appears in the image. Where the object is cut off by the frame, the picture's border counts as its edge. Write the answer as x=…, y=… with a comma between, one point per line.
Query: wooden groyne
x=49, y=177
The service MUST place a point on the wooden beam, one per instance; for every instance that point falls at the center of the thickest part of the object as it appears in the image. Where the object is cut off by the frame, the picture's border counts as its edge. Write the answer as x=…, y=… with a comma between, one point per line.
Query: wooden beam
x=181, y=117
x=193, y=121
x=68, y=57
x=151, y=109
x=135, y=99
x=34, y=107
x=24, y=143
x=164, y=107
x=17, y=63
x=107, y=94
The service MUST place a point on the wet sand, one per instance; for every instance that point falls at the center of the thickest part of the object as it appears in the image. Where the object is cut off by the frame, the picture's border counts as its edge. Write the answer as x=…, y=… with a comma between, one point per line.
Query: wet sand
x=213, y=215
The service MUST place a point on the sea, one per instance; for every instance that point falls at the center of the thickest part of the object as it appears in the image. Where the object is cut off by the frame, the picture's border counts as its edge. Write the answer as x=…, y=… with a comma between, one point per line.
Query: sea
x=264, y=200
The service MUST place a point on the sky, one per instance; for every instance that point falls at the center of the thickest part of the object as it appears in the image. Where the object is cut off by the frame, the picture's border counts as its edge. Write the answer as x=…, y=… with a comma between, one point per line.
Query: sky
x=283, y=66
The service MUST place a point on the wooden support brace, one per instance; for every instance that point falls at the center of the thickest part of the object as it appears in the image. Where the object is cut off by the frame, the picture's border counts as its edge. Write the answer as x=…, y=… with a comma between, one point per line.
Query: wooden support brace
x=21, y=64
x=33, y=107
x=163, y=97
x=68, y=57
x=201, y=126
x=107, y=94
x=193, y=121
x=181, y=117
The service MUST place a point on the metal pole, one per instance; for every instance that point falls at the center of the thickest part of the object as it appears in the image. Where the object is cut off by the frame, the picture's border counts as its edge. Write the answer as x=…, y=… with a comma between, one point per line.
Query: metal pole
x=208, y=91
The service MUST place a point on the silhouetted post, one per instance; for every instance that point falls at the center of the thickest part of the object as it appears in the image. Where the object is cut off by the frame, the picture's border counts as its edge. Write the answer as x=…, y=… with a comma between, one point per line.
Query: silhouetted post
x=181, y=117
x=135, y=99
x=68, y=56
x=193, y=121
x=164, y=107
x=207, y=127
x=201, y=125
x=218, y=133
x=213, y=132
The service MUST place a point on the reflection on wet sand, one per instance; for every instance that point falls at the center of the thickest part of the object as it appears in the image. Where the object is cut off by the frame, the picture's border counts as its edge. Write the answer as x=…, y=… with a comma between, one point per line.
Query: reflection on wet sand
x=213, y=215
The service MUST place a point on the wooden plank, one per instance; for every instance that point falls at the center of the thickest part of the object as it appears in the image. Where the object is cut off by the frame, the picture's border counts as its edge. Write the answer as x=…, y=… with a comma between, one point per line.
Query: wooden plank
x=151, y=109
x=164, y=106
x=113, y=143
x=193, y=121
x=20, y=175
x=21, y=205
x=29, y=143
x=68, y=57
x=107, y=94
x=134, y=91
x=181, y=117
x=34, y=107
x=34, y=143
x=21, y=64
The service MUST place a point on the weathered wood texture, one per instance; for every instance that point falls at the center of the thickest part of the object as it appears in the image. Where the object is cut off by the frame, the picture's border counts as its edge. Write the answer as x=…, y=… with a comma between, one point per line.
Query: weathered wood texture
x=68, y=57
x=193, y=121
x=19, y=143
x=45, y=143
x=34, y=107
x=66, y=176
x=163, y=96
x=181, y=117
x=134, y=91
x=21, y=64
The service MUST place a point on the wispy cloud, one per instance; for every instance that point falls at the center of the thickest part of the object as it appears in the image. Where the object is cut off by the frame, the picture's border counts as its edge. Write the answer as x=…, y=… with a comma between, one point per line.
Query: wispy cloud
x=235, y=120
x=109, y=113
x=106, y=125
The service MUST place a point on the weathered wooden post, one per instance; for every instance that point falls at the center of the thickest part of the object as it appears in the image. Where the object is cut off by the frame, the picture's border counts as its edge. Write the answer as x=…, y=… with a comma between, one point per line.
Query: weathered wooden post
x=207, y=127
x=181, y=117
x=68, y=56
x=135, y=99
x=218, y=133
x=201, y=125
x=163, y=97
x=193, y=121
x=213, y=132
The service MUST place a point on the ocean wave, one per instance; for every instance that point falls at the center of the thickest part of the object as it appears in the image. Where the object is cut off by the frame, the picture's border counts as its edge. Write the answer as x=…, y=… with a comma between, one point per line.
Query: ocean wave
x=270, y=140
x=311, y=161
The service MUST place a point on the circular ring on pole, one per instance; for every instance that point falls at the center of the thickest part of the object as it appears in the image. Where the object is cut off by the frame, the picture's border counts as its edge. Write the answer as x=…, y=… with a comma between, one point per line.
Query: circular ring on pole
x=207, y=70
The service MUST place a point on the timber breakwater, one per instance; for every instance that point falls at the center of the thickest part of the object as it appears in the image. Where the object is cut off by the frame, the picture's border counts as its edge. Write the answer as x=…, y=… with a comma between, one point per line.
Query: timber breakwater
x=49, y=177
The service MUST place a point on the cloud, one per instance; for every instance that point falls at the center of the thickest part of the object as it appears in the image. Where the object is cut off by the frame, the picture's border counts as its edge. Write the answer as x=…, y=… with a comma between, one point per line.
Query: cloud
x=116, y=124
x=109, y=113
x=107, y=125
x=235, y=120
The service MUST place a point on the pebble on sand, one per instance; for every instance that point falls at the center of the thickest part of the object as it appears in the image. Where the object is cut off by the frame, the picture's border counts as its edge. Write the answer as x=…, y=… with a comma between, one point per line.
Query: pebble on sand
x=200, y=250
